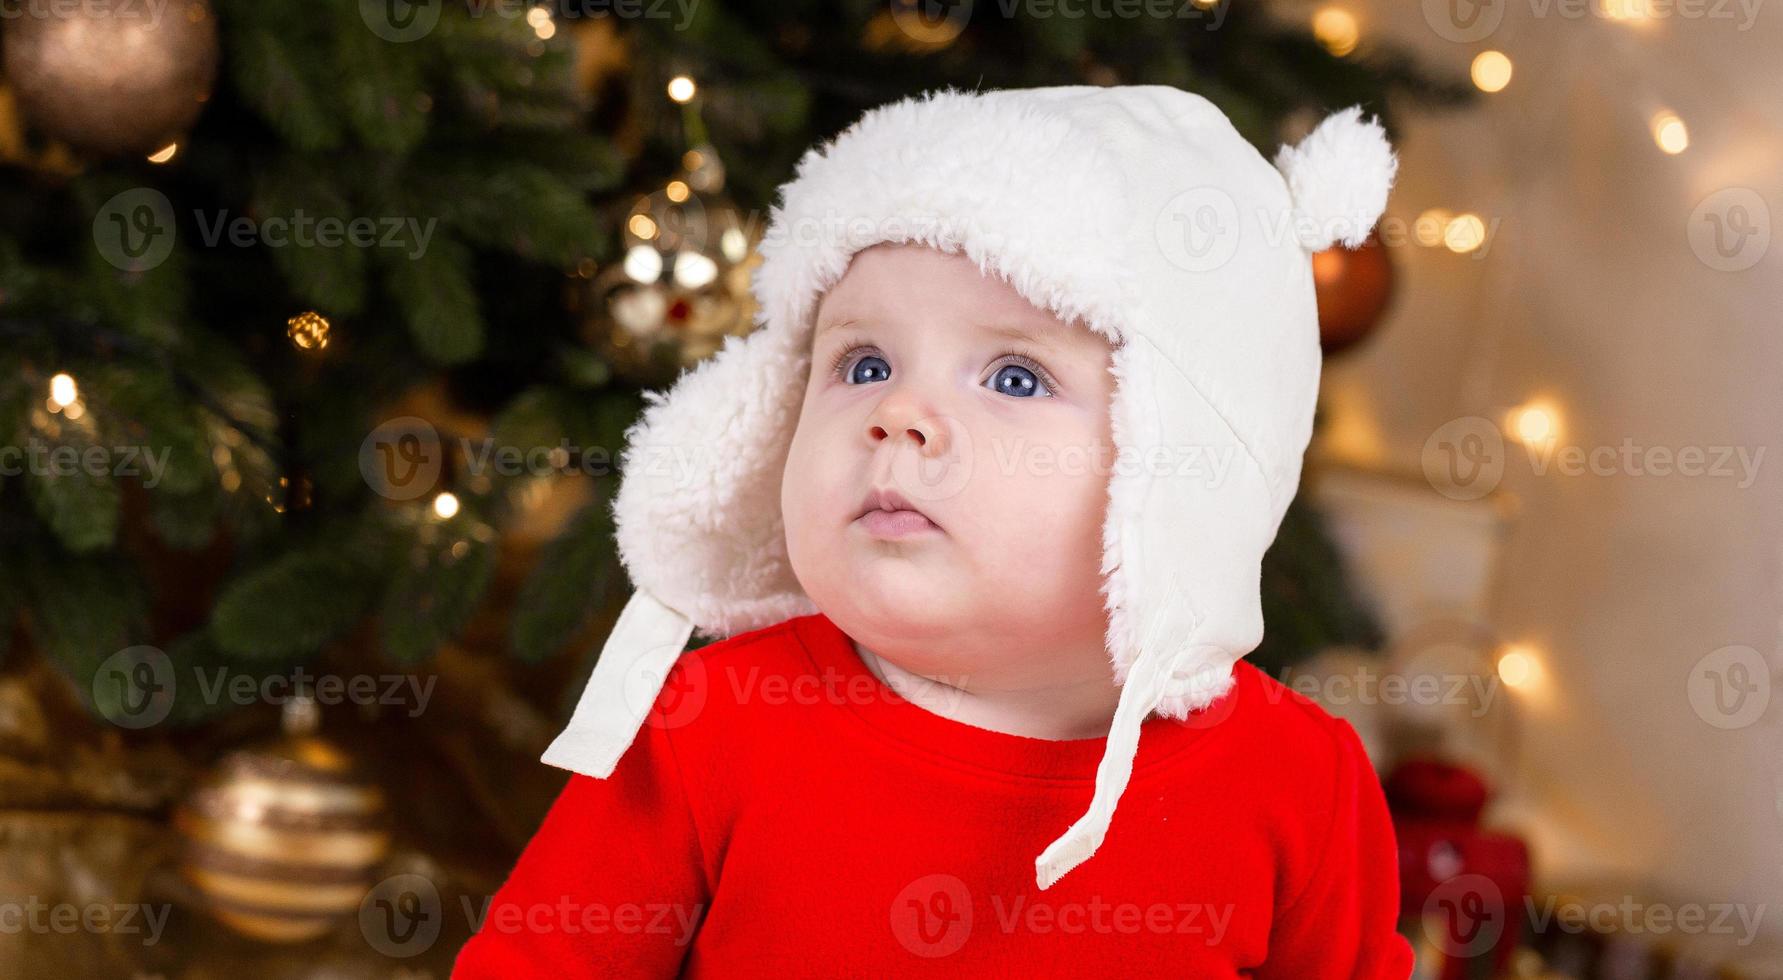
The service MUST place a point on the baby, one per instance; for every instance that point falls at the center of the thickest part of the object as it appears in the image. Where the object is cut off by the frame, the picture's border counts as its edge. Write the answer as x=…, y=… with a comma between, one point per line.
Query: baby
x=976, y=514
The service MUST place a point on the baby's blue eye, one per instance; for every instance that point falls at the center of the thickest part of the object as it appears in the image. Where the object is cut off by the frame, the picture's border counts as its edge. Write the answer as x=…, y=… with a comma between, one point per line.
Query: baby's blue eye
x=857, y=377
x=1017, y=382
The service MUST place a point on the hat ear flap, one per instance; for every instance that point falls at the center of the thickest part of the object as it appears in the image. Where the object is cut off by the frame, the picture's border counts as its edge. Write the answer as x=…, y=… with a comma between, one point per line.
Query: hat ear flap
x=1338, y=177
x=697, y=517
x=1189, y=517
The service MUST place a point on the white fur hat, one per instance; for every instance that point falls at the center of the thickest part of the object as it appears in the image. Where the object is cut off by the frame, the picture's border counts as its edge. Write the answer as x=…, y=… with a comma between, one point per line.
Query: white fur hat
x=1138, y=209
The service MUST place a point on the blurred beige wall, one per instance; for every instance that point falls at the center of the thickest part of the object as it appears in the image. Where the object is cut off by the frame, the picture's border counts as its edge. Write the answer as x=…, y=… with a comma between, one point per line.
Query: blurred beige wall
x=1589, y=294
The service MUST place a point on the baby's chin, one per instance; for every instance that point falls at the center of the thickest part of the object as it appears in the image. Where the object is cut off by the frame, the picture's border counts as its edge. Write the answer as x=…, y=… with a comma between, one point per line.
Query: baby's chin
x=913, y=604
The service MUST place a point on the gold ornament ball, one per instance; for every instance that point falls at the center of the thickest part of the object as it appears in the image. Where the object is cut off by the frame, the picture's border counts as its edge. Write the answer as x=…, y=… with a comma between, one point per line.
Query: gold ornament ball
x=283, y=840
x=309, y=331
x=112, y=77
x=682, y=285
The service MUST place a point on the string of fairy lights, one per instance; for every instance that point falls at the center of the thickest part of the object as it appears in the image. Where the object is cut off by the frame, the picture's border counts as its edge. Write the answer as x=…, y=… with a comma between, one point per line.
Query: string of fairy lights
x=1491, y=71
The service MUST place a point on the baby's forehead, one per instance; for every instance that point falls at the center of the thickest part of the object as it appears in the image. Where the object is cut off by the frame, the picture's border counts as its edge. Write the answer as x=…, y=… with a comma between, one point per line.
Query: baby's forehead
x=1038, y=331
x=909, y=289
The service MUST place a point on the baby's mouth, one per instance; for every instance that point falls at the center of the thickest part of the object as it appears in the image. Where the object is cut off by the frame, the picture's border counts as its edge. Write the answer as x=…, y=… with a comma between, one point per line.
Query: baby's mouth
x=886, y=513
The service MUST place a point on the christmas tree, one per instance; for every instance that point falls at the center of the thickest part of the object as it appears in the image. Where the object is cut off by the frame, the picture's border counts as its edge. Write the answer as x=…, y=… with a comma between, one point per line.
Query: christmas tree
x=331, y=212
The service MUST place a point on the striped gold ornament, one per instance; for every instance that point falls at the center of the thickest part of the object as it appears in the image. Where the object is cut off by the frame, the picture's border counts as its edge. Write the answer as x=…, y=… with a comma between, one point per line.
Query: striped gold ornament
x=283, y=840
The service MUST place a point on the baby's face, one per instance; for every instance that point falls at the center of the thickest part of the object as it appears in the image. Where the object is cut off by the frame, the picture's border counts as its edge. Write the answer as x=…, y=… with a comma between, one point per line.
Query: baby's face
x=988, y=416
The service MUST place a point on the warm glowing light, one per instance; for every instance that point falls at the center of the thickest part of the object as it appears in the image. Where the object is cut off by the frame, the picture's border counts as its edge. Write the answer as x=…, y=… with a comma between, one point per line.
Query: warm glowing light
x=676, y=191
x=1518, y=667
x=538, y=17
x=308, y=331
x=63, y=391
x=1669, y=132
x=1533, y=424
x=643, y=263
x=733, y=244
x=682, y=89
x=693, y=270
x=1624, y=10
x=1336, y=29
x=642, y=225
x=445, y=506
x=1464, y=233
x=164, y=154
x=1491, y=71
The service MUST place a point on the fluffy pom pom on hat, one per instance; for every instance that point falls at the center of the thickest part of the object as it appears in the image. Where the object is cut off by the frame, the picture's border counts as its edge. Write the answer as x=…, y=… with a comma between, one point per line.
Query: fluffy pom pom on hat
x=1139, y=210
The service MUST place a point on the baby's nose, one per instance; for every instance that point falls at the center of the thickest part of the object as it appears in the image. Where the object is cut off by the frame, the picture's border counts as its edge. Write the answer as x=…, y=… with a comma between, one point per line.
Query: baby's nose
x=899, y=416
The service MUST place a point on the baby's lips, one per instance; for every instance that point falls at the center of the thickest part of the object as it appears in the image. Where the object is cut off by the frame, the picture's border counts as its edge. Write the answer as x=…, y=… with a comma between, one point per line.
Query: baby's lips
x=888, y=497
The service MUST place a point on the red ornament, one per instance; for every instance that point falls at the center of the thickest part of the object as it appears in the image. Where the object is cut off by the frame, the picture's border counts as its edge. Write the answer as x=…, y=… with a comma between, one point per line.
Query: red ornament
x=1464, y=885
x=1430, y=789
x=1353, y=287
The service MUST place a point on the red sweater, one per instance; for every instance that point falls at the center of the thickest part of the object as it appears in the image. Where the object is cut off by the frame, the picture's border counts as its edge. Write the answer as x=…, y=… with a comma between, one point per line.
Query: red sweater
x=784, y=814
